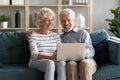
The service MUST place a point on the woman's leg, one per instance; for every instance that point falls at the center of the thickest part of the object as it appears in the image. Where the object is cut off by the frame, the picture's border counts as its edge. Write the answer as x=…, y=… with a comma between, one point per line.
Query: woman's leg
x=61, y=70
x=45, y=65
x=72, y=70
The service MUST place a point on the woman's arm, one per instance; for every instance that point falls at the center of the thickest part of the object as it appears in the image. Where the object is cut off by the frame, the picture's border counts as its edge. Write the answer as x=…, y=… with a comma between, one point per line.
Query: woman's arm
x=42, y=56
x=35, y=52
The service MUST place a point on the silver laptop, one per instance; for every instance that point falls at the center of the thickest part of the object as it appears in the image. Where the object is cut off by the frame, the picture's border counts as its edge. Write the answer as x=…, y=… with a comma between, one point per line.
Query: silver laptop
x=70, y=51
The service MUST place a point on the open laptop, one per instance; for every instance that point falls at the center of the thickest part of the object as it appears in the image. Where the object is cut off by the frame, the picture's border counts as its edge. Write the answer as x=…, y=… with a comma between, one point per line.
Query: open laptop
x=70, y=51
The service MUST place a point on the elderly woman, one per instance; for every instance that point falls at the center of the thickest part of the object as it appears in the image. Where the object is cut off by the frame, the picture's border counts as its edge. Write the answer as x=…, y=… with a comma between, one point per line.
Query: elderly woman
x=43, y=47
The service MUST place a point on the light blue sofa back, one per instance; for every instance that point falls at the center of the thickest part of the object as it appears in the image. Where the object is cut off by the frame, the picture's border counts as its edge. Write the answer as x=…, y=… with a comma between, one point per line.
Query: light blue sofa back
x=99, y=35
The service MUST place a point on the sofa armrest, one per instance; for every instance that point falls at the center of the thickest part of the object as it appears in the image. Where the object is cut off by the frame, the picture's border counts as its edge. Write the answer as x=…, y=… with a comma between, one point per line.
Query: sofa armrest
x=114, y=50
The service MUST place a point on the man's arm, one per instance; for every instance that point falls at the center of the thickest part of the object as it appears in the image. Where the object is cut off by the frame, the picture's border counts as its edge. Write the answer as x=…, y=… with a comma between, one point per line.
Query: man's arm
x=89, y=47
x=28, y=35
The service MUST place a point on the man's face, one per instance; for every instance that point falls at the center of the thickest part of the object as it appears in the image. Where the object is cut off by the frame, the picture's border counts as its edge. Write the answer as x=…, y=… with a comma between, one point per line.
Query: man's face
x=67, y=22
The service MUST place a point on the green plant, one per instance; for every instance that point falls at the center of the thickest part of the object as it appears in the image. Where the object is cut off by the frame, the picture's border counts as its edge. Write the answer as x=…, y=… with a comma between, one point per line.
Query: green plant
x=4, y=18
x=115, y=22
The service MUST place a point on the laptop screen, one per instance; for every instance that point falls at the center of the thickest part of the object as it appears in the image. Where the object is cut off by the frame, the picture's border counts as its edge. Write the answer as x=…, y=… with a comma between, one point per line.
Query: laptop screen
x=70, y=51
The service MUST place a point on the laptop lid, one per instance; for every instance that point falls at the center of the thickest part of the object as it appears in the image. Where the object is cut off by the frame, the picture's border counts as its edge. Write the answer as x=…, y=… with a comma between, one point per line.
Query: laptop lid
x=70, y=51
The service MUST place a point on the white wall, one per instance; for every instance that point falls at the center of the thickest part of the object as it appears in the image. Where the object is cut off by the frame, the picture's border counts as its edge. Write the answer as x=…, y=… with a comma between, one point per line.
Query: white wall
x=101, y=11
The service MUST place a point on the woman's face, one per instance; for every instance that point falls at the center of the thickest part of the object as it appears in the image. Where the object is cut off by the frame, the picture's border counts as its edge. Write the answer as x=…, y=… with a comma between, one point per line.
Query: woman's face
x=67, y=22
x=47, y=23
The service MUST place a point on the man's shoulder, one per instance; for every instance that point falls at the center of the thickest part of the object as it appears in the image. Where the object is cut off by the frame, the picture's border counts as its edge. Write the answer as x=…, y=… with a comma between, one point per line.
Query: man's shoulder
x=82, y=31
x=77, y=29
x=61, y=34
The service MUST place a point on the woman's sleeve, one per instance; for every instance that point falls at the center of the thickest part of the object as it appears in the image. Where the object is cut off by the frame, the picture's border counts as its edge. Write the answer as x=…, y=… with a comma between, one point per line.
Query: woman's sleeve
x=33, y=48
x=59, y=39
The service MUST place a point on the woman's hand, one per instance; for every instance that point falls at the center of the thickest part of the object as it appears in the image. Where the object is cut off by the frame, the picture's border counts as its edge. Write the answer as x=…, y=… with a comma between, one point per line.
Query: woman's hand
x=54, y=56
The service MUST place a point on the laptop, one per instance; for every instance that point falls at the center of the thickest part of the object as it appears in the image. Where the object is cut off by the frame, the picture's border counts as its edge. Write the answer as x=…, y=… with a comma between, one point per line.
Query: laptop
x=70, y=51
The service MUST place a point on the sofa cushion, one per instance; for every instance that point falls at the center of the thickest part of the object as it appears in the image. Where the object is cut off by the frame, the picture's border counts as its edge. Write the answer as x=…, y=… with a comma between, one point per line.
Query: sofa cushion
x=107, y=71
x=14, y=47
x=114, y=50
x=1, y=65
x=20, y=72
x=99, y=35
x=99, y=38
x=101, y=51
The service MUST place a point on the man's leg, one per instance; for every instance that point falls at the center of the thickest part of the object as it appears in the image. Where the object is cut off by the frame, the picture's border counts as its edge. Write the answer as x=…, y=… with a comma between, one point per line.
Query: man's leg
x=87, y=68
x=72, y=70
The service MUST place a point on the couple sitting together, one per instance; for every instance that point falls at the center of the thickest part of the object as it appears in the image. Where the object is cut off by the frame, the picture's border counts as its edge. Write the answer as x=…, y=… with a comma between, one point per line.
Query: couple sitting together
x=42, y=44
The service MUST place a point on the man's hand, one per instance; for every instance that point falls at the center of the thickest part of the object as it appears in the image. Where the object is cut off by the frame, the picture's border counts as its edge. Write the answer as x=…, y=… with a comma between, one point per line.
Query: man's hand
x=28, y=35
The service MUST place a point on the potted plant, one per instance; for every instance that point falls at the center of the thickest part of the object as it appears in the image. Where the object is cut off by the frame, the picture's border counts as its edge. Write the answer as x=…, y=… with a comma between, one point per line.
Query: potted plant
x=115, y=22
x=4, y=21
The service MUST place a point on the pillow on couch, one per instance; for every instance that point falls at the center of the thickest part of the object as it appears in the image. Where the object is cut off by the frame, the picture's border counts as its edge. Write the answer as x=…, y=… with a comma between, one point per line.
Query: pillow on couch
x=114, y=50
x=101, y=52
x=99, y=38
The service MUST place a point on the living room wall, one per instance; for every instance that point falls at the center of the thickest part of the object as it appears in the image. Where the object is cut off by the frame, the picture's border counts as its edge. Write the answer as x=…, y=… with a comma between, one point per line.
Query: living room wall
x=101, y=11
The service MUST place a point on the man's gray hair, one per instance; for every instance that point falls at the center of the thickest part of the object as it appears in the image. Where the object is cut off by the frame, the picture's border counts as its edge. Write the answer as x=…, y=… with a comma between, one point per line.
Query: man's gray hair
x=68, y=11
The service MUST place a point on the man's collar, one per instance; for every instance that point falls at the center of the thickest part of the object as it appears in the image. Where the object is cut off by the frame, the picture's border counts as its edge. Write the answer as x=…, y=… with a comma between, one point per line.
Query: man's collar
x=75, y=29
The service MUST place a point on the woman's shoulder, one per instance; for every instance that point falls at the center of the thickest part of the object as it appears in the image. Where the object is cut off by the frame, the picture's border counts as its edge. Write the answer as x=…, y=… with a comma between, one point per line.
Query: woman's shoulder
x=35, y=34
x=54, y=33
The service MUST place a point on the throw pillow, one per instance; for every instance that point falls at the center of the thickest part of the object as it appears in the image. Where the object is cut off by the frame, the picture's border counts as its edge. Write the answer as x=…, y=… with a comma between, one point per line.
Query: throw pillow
x=101, y=52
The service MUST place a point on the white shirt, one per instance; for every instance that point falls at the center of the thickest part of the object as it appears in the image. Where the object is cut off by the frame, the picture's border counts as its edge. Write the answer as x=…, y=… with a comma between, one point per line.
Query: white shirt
x=43, y=44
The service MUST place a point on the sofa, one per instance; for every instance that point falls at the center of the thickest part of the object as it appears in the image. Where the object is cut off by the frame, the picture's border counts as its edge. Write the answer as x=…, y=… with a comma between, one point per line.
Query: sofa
x=15, y=54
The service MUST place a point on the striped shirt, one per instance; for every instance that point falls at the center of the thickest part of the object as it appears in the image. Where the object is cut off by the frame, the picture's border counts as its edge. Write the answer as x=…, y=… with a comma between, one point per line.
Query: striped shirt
x=43, y=44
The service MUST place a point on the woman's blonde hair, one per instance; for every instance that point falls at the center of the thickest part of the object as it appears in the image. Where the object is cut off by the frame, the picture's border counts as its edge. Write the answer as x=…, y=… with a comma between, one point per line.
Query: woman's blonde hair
x=41, y=14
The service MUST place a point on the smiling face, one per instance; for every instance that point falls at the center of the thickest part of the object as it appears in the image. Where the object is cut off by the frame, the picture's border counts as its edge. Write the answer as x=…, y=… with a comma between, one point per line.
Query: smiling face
x=44, y=19
x=67, y=22
x=47, y=22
